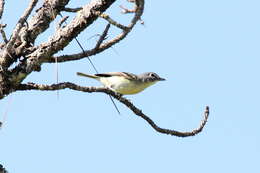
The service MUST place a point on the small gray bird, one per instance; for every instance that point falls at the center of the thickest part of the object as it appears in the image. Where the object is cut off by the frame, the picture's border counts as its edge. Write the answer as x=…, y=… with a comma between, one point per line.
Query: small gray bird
x=125, y=83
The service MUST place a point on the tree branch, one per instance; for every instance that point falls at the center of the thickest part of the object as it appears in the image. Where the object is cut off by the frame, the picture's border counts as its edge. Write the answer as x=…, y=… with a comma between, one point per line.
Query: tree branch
x=21, y=22
x=60, y=39
x=61, y=22
x=2, y=5
x=126, y=102
x=5, y=59
x=72, y=10
x=102, y=37
x=2, y=26
x=113, y=22
x=126, y=10
x=87, y=53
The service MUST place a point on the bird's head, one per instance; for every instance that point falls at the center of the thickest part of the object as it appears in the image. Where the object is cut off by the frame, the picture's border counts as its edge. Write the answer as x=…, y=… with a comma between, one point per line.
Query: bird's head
x=150, y=77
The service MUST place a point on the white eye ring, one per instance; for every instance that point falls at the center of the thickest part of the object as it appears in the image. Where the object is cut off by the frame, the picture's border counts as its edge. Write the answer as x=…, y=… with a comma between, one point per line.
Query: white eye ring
x=152, y=75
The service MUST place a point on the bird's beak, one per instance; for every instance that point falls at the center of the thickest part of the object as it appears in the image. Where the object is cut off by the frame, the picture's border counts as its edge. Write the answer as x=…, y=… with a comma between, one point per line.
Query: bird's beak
x=161, y=79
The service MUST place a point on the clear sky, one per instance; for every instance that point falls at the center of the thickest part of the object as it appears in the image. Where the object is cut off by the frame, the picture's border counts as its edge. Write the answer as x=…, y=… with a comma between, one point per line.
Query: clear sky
x=209, y=53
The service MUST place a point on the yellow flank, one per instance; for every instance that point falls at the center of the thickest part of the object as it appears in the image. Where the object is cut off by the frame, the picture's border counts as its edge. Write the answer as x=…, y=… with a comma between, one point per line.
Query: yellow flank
x=124, y=86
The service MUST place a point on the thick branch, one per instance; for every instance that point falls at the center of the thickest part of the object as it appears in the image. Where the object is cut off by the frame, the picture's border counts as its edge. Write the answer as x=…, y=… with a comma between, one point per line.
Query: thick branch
x=60, y=39
x=5, y=59
x=86, y=53
x=126, y=102
x=35, y=26
x=21, y=21
x=2, y=5
x=44, y=16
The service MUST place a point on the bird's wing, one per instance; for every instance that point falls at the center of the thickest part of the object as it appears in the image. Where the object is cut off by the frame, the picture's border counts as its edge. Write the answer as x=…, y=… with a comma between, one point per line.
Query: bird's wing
x=127, y=75
x=87, y=75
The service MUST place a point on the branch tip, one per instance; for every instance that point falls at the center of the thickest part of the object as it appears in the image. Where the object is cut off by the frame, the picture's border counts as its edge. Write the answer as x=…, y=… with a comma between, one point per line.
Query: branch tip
x=120, y=98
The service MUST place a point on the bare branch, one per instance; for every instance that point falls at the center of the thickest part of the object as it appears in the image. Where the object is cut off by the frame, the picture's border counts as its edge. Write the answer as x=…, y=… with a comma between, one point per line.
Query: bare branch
x=4, y=61
x=126, y=102
x=105, y=45
x=59, y=40
x=126, y=10
x=35, y=26
x=2, y=5
x=44, y=16
x=102, y=37
x=62, y=38
x=113, y=22
x=20, y=23
x=72, y=10
x=2, y=26
x=61, y=22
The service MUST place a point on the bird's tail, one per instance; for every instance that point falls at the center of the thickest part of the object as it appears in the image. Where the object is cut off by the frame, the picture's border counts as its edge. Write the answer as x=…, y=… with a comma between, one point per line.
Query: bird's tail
x=87, y=75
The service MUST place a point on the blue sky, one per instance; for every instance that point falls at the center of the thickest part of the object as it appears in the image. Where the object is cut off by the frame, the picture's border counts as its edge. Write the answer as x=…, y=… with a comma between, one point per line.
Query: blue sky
x=209, y=53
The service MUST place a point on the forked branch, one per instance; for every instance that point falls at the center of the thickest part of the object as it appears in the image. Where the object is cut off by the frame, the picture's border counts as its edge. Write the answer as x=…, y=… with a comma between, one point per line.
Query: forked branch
x=138, y=11
x=18, y=27
x=126, y=102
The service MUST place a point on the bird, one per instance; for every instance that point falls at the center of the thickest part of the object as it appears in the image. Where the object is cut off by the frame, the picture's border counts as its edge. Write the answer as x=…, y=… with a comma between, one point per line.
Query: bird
x=125, y=83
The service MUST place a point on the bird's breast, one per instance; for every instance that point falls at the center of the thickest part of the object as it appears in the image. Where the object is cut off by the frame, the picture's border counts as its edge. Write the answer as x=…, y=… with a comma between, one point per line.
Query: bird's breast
x=124, y=86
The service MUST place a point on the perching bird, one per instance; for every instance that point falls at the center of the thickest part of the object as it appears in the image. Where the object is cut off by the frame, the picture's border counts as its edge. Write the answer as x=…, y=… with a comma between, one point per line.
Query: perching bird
x=124, y=82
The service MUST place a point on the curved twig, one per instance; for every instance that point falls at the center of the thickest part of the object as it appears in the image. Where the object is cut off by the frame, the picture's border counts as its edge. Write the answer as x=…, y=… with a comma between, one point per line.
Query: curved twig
x=126, y=102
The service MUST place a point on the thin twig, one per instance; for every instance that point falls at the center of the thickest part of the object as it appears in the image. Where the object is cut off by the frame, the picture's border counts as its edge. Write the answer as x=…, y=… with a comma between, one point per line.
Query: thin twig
x=126, y=10
x=72, y=10
x=104, y=45
x=21, y=22
x=63, y=19
x=132, y=1
x=102, y=37
x=126, y=102
x=16, y=32
x=113, y=22
x=5, y=113
x=2, y=26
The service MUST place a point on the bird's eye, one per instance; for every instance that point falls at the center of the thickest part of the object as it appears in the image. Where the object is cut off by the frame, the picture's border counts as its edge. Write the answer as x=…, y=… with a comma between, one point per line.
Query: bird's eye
x=153, y=75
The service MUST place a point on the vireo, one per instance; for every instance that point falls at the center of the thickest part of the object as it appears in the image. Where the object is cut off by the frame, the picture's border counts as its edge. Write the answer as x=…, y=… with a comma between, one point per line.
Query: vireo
x=124, y=82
